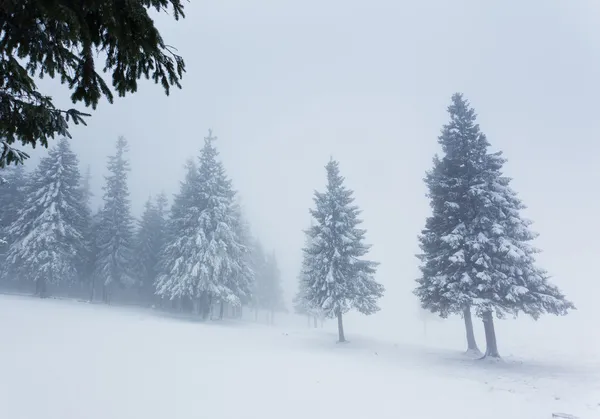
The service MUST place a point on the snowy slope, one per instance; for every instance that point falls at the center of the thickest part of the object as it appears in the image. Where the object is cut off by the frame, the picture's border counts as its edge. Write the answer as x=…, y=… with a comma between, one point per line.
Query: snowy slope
x=71, y=360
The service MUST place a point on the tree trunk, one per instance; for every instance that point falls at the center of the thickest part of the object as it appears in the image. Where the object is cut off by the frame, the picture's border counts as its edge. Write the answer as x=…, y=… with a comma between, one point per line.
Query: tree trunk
x=92, y=289
x=471, y=343
x=38, y=288
x=209, y=307
x=222, y=310
x=315, y=324
x=256, y=314
x=491, y=349
x=104, y=294
x=342, y=338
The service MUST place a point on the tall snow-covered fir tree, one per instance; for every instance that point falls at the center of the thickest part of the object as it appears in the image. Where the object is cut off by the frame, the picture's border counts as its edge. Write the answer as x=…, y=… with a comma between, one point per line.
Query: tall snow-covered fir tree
x=149, y=242
x=12, y=202
x=204, y=259
x=47, y=239
x=476, y=248
x=114, y=260
x=337, y=277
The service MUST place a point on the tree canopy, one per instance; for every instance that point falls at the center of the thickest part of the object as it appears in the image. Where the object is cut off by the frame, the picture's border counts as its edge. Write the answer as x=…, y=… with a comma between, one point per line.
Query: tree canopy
x=63, y=39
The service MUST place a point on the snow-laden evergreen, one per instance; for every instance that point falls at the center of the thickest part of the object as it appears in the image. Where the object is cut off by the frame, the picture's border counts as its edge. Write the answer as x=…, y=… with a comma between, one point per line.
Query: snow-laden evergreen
x=149, y=242
x=205, y=260
x=476, y=248
x=12, y=201
x=114, y=260
x=47, y=240
x=337, y=277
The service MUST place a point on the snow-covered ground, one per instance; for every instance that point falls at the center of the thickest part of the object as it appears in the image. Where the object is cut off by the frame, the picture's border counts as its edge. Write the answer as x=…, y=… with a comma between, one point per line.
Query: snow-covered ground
x=70, y=360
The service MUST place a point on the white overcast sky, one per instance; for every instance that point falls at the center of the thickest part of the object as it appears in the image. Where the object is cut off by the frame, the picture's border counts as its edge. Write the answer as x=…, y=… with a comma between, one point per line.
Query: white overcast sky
x=285, y=84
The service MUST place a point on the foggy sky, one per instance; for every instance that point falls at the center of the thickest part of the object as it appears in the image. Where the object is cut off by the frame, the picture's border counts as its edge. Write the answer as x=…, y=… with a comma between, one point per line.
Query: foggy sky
x=285, y=85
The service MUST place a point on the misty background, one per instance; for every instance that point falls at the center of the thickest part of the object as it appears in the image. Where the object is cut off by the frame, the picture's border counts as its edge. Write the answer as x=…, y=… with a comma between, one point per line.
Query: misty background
x=285, y=85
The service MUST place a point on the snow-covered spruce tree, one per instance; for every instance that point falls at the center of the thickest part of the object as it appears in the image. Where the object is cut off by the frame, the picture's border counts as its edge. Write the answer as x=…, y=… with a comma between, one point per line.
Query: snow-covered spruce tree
x=149, y=242
x=114, y=259
x=12, y=202
x=338, y=279
x=205, y=260
x=271, y=292
x=476, y=248
x=47, y=239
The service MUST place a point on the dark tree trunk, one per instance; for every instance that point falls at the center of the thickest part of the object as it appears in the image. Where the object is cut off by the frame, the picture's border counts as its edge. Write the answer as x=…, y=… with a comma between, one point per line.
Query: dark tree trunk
x=222, y=310
x=491, y=349
x=41, y=289
x=105, y=294
x=342, y=338
x=315, y=324
x=38, y=287
x=207, y=307
x=471, y=343
x=92, y=289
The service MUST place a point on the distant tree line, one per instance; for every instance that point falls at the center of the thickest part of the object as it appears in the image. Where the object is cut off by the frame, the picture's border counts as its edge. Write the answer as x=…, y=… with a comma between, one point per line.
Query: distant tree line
x=196, y=256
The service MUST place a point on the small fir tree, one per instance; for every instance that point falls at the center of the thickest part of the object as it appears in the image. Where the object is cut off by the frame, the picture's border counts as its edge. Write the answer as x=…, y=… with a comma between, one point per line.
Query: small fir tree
x=338, y=278
x=114, y=260
x=149, y=242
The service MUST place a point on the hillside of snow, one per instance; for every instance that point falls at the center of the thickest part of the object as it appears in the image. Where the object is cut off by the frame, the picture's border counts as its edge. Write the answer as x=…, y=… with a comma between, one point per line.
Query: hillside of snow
x=70, y=360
